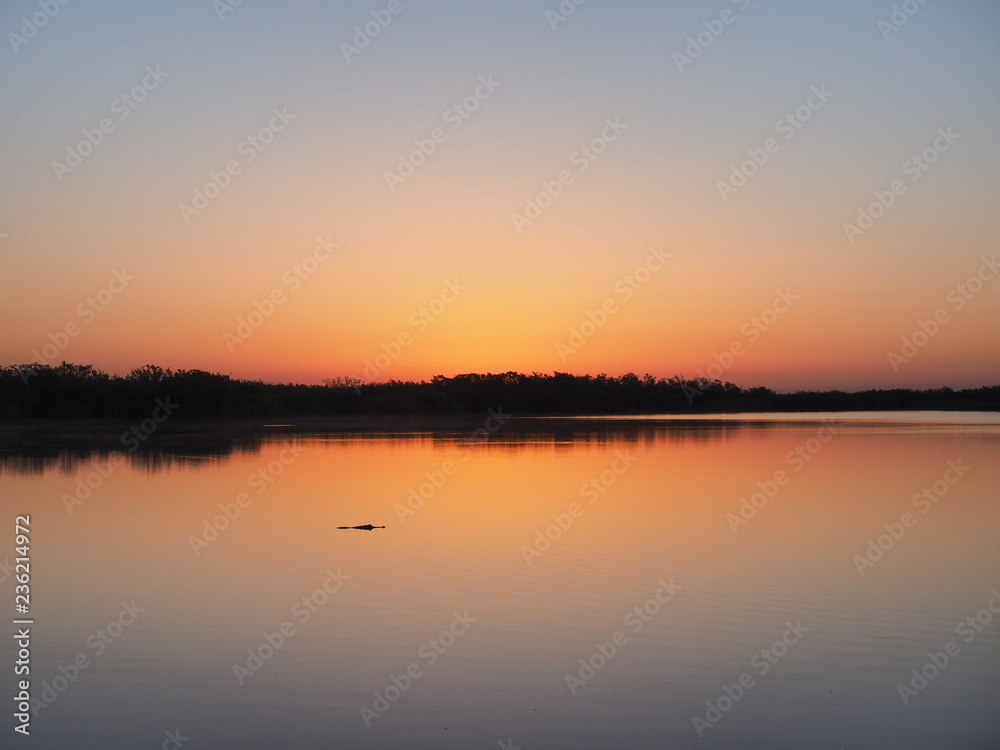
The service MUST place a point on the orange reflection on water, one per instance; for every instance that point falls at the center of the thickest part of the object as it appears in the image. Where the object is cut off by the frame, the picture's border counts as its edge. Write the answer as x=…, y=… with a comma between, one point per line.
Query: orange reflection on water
x=548, y=537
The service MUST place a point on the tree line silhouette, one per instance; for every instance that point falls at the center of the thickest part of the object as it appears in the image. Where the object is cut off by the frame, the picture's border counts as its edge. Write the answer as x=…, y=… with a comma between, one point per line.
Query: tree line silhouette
x=71, y=391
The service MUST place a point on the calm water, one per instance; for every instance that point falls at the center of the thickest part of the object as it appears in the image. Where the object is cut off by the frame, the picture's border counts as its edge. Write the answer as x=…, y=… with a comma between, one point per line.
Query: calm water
x=559, y=583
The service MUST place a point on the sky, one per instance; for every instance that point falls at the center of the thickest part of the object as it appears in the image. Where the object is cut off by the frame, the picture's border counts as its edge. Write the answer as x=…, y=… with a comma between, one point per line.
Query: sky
x=800, y=195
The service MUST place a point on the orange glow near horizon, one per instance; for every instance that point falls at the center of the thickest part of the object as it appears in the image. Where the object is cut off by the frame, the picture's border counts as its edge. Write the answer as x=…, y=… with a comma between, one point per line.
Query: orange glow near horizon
x=529, y=282
x=350, y=313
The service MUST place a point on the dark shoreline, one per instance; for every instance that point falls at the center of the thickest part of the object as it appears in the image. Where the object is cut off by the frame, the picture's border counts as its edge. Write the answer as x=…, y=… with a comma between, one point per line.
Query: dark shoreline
x=69, y=391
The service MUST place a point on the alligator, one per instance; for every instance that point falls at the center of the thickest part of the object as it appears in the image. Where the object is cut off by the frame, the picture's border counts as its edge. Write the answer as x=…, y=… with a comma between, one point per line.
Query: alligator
x=366, y=527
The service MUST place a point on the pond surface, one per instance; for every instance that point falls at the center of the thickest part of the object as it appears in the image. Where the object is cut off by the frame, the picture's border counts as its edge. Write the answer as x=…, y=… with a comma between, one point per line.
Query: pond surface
x=752, y=582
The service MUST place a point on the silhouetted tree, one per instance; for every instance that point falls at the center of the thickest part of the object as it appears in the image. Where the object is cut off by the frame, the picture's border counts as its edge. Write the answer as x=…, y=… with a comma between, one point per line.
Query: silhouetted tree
x=82, y=391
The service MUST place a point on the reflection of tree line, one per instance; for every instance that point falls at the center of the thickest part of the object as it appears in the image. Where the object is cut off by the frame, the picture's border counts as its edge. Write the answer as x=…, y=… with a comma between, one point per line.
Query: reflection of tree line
x=35, y=447
x=81, y=391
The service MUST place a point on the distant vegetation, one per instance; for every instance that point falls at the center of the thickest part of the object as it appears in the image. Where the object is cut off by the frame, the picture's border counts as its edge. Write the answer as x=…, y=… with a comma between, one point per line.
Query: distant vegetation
x=81, y=391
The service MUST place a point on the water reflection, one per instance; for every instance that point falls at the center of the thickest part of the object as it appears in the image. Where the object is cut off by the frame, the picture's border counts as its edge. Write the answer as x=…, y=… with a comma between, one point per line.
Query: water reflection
x=33, y=448
x=563, y=583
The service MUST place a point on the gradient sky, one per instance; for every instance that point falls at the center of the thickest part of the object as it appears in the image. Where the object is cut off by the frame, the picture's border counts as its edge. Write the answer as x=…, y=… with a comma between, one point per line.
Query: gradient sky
x=63, y=233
